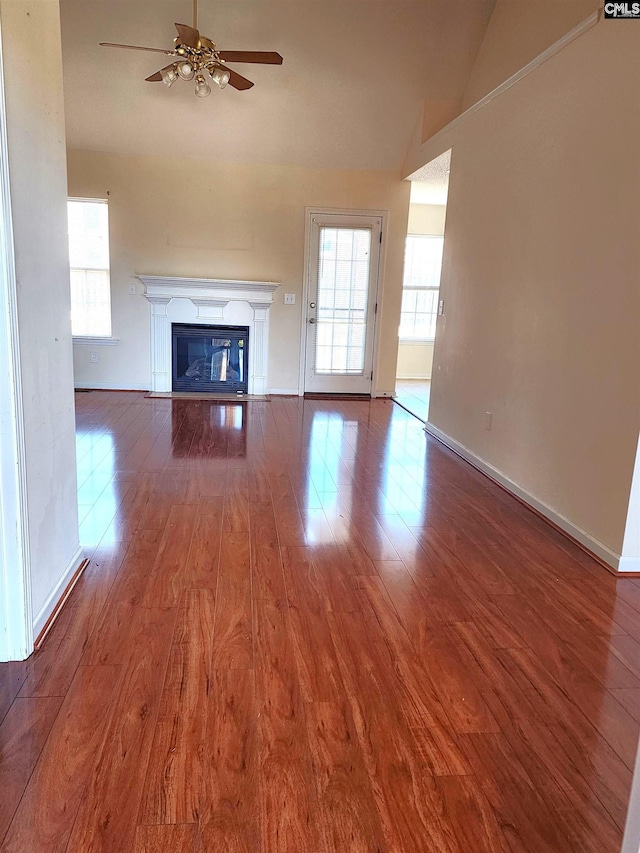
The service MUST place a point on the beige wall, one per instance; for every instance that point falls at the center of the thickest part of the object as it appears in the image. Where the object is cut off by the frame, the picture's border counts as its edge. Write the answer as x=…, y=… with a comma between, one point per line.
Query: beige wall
x=427, y=219
x=520, y=30
x=37, y=177
x=180, y=217
x=540, y=281
x=415, y=360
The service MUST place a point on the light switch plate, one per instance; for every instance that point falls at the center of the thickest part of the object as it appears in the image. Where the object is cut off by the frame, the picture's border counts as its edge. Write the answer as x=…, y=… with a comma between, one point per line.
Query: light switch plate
x=132, y=289
x=289, y=299
x=93, y=358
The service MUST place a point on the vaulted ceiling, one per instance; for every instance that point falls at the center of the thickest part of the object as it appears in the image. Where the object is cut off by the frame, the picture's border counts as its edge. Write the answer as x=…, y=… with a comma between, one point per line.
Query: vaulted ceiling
x=348, y=95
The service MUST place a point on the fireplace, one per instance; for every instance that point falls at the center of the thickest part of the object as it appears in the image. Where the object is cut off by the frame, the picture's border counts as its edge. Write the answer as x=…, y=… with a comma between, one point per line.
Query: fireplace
x=209, y=358
x=202, y=303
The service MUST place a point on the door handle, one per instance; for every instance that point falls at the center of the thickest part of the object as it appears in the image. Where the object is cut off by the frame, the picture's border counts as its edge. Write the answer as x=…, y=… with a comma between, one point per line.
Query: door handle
x=312, y=320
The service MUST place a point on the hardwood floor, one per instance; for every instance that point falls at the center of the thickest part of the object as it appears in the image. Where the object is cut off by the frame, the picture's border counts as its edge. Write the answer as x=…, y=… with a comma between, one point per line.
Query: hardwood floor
x=306, y=626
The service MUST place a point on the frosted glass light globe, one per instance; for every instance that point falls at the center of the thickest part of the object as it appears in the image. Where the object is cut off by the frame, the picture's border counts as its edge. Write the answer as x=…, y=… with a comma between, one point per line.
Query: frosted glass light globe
x=169, y=75
x=202, y=87
x=220, y=76
x=186, y=70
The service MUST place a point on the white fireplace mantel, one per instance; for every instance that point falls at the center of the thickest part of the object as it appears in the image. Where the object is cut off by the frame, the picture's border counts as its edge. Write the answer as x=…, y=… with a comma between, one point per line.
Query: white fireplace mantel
x=208, y=301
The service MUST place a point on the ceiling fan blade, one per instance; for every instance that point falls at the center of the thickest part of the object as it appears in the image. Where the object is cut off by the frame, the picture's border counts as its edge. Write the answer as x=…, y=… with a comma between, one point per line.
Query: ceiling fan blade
x=237, y=80
x=264, y=57
x=188, y=36
x=137, y=47
x=157, y=77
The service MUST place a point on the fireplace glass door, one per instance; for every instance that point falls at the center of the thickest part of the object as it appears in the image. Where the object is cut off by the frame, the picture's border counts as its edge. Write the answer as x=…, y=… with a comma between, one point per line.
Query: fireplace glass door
x=210, y=358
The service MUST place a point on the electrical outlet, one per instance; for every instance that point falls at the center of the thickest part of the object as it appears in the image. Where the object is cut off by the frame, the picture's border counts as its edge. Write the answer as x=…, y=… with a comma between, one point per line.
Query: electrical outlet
x=289, y=299
x=488, y=417
x=132, y=289
x=93, y=358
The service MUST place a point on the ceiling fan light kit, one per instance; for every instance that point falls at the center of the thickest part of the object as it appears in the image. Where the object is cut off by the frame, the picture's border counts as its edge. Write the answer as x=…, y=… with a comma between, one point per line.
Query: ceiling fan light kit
x=169, y=76
x=185, y=70
x=220, y=76
x=198, y=57
x=202, y=87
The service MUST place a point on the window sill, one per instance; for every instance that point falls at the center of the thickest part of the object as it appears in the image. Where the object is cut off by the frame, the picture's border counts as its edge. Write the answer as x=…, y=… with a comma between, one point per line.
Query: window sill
x=416, y=341
x=87, y=340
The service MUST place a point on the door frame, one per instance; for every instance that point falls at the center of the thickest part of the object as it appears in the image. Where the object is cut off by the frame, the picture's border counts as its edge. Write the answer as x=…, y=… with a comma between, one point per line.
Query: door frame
x=16, y=640
x=309, y=213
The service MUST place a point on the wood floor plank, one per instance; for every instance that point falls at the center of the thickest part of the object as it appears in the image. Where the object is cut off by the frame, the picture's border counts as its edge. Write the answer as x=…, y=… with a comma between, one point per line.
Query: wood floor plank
x=348, y=817
x=23, y=733
x=168, y=838
x=12, y=677
x=455, y=682
x=233, y=640
x=586, y=750
x=318, y=671
x=109, y=641
x=176, y=767
x=45, y=815
x=229, y=819
x=203, y=562
x=286, y=796
x=474, y=823
x=334, y=579
x=630, y=701
x=528, y=725
x=287, y=514
x=168, y=578
x=268, y=579
x=402, y=782
x=107, y=816
x=46, y=673
x=523, y=815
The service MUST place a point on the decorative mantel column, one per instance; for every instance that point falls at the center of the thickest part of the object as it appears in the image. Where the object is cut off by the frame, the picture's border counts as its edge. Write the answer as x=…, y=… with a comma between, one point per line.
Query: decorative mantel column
x=217, y=301
x=259, y=351
x=160, y=343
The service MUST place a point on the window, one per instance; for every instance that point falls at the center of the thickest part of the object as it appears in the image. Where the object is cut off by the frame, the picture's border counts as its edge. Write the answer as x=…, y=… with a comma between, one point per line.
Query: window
x=422, y=265
x=343, y=288
x=89, y=260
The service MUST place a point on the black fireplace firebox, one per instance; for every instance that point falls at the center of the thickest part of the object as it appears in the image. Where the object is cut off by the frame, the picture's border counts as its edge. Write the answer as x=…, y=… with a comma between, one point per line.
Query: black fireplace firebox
x=210, y=358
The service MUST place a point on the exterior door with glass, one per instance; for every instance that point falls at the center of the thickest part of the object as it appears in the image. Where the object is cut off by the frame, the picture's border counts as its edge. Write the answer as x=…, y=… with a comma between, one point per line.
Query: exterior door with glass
x=343, y=271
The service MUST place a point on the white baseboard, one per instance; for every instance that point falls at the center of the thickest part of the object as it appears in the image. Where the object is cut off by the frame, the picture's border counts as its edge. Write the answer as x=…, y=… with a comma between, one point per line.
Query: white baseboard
x=52, y=601
x=423, y=377
x=106, y=386
x=295, y=392
x=629, y=564
x=602, y=551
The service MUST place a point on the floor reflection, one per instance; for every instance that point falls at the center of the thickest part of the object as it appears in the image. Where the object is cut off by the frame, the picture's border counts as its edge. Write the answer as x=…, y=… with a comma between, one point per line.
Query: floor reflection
x=403, y=491
x=97, y=492
x=206, y=429
x=332, y=456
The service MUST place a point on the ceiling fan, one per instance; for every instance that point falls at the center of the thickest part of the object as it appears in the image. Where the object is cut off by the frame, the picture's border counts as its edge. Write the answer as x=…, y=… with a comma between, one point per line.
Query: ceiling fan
x=197, y=56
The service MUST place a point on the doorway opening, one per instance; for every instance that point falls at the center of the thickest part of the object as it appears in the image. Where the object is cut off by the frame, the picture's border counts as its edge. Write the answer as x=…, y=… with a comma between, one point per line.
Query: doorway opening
x=421, y=300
